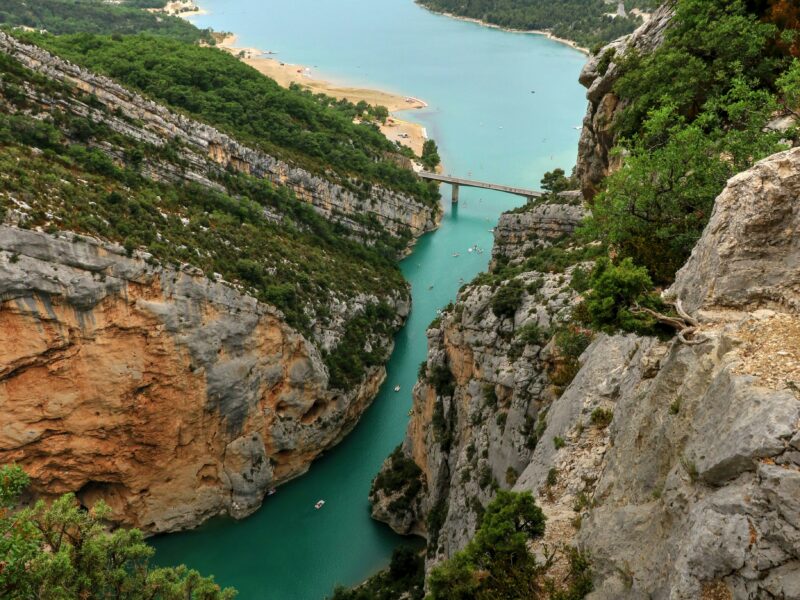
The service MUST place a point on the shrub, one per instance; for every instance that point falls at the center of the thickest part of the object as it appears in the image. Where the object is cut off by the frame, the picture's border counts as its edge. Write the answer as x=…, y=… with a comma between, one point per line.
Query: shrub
x=60, y=549
x=511, y=476
x=601, y=417
x=441, y=426
x=558, y=442
x=581, y=280
x=533, y=334
x=508, y=299
x=490, y=395
x=500, y=419
x=569, y=344
x=402, y=473
x=552, y=477
x=497, y=562
x=615, y=290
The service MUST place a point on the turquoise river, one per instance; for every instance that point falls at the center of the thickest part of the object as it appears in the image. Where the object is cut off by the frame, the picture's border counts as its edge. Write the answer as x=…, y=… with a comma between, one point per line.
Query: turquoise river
x=503, y=107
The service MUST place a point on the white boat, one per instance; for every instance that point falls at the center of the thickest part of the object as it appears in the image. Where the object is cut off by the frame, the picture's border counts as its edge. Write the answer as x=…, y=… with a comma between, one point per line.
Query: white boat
x=469, y=249
x=397, y=388
x=319, y=504
x=271, y=491
x=456, y=255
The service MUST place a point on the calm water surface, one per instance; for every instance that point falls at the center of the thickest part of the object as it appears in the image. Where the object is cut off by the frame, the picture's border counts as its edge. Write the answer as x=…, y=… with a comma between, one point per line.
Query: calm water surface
x=489, y=125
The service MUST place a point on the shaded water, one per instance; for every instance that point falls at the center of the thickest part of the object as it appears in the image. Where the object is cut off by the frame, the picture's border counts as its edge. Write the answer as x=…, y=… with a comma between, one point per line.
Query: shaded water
x=489, y=125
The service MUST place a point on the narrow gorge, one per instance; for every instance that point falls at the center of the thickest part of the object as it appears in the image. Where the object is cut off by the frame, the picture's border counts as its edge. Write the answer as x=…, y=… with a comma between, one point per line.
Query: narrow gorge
x=670, y=463
x=166, y=391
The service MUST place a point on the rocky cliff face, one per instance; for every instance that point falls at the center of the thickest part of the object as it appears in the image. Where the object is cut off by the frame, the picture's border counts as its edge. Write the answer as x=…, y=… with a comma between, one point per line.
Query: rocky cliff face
x=481, y=403
x=171, y=397
x=205, y=150
x=521, y=232
x=692, y=492
x=165, y=391
x=599, y=75
x=673, y=466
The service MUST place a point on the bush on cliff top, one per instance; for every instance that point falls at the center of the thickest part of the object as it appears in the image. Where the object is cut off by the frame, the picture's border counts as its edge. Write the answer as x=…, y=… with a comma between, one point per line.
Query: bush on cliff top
x=60, y=550
x=616, y=290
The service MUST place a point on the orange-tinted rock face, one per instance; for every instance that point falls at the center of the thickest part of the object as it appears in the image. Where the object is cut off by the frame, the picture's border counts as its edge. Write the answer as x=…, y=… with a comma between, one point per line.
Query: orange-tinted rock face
x=170, y=397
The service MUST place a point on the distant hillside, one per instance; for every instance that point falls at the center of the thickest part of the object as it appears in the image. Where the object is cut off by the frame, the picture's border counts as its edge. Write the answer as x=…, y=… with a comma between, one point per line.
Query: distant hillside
x=586, y=22
x=94, y=16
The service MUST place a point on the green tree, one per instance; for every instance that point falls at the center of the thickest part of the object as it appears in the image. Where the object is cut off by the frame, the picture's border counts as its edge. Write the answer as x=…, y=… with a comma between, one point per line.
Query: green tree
x=430, y=155
x=615, y=289
x=497, y=562
x=555, y=181
x=654, y=209
x=61, y=551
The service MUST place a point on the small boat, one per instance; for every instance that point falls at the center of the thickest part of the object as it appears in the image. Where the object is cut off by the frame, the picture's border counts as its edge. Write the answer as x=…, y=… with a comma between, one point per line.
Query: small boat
x=319, y=504
x=456, y=255
x=469, y=249
x=410, y=412
x=397, y=388
x=271, y=491
x=430, y=287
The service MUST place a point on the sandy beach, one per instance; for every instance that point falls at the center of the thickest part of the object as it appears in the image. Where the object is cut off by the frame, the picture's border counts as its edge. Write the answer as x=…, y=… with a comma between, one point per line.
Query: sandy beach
x=285, y=74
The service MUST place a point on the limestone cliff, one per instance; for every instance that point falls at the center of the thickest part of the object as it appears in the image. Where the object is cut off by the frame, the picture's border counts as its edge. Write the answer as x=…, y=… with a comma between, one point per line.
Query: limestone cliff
x=673, y=466
x=206, y=151
x=599, y=75
x=128, y=375
x=479, y=406
x=171, y=397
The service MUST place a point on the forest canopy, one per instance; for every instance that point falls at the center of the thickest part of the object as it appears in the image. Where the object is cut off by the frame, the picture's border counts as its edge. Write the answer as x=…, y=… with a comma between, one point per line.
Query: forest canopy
x=95, y=16
x=587, y=22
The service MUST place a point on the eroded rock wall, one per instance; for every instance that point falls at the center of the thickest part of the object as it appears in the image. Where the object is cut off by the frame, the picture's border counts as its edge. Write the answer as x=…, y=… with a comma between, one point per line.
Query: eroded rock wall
x=206, y=150
x=598, y=76
x=480, y=435
x=674, y=466
x=520, y=232
x=171, y=397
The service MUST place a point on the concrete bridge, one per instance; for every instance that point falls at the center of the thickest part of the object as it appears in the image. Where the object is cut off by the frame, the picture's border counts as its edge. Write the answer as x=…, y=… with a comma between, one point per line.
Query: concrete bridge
x=457, y=182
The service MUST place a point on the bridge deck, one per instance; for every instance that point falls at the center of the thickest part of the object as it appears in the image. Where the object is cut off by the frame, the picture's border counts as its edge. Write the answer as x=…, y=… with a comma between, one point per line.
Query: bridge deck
x=480, y=184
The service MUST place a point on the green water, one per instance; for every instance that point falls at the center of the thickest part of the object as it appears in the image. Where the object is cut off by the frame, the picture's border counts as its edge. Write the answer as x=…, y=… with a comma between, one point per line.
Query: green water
x=489, y=125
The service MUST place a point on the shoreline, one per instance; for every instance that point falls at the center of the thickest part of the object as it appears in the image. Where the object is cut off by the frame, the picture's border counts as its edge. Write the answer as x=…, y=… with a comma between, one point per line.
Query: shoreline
x=541, y=32
x=284, y=74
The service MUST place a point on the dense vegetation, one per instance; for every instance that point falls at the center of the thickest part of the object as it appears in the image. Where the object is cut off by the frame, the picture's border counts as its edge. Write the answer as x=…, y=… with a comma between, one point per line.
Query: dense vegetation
x=95, y=16
x=257, y=235
x=317, y=133
x=497, y=562
x=62, y=551
x=587, y=22
x=697, y=114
